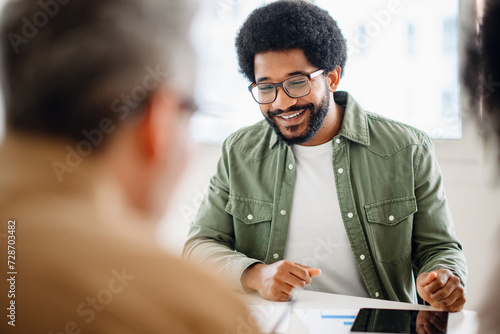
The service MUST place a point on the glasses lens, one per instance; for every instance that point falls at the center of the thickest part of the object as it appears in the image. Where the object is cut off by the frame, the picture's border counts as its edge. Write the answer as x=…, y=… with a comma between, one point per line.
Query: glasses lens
x=297, y=86
x=264, y=93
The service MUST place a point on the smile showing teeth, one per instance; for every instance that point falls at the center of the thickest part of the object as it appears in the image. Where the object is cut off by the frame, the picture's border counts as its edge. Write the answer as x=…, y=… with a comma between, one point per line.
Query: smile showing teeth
x=293, y=116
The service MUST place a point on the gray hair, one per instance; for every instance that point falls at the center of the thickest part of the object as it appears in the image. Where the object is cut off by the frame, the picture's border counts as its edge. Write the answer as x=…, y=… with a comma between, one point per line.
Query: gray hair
x=67, y=65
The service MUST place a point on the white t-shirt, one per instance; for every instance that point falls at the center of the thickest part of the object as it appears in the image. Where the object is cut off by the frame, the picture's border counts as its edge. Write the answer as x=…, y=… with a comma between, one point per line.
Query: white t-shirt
x=316, y=233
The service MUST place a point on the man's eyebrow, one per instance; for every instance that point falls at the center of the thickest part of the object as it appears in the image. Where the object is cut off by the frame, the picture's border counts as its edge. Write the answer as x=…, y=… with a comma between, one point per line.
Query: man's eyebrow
x=261, y=79
x=288, y=75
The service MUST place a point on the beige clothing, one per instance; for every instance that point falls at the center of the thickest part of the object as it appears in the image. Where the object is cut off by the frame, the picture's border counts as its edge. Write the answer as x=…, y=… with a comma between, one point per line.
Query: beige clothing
x=85, y=263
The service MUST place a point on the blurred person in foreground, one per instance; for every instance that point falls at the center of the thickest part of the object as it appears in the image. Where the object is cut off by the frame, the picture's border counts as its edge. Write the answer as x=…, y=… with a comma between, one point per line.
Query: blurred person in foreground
x=97, y=96
x=482, y=77
x=323, y=194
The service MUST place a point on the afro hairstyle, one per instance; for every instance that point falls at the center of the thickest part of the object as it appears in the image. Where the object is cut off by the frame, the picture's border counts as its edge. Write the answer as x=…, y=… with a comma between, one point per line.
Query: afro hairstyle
x=291, y=24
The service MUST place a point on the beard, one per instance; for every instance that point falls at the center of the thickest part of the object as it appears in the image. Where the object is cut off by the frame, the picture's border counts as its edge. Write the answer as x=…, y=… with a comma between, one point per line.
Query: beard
x=316, y=118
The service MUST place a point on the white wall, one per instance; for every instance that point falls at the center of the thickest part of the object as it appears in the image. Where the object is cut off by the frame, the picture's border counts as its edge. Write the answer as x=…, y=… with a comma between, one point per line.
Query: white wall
x=469, y=169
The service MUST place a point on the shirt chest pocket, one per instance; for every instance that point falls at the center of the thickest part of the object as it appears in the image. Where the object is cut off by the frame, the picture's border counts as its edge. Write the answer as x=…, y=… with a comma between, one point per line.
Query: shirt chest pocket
x=252, y=225
x=390, y=225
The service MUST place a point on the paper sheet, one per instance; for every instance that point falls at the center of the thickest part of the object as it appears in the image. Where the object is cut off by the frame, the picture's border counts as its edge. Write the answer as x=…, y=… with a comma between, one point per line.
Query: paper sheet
x=266, y=317
x=320, y=321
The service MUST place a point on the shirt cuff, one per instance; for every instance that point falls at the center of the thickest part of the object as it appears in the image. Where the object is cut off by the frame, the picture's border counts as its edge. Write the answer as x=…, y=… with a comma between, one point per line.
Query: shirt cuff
x=234, y=270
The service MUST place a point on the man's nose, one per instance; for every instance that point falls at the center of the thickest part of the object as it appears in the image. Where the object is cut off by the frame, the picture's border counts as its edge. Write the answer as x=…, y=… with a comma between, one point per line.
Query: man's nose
x=283, y=101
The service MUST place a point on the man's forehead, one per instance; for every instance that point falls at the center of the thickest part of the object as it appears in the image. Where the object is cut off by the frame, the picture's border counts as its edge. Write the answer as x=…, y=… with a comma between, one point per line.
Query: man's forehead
x=291, y=74
x=277, y=65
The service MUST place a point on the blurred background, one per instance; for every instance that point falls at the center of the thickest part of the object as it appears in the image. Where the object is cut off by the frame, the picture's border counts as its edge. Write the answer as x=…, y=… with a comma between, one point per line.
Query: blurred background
x=404, y=59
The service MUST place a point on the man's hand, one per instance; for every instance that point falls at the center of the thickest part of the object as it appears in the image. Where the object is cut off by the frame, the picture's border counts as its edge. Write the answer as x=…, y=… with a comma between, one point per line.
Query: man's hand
x=276, y=281
x=441, y=288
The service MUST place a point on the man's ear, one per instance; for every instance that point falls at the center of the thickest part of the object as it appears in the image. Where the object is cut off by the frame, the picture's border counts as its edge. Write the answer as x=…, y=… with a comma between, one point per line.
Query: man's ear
x=334, y=78
x=157, y=128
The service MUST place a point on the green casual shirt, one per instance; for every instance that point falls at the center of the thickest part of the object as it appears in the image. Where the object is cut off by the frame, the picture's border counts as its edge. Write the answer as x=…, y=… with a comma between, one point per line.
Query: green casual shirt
x=390, y=193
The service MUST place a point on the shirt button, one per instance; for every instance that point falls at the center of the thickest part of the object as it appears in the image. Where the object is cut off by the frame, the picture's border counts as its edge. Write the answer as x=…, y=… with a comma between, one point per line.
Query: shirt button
x=350, y=215
x=283, y=212
x=391, y=218
x=276, y=256
x=250, y=217
x=337, y=141
x=362, y=257
x=341, y=170
x=377, y=294
x=290, y=166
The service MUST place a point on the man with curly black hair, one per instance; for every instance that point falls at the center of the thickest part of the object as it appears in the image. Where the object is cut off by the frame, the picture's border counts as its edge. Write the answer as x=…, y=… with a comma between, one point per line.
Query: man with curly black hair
x=321, y=183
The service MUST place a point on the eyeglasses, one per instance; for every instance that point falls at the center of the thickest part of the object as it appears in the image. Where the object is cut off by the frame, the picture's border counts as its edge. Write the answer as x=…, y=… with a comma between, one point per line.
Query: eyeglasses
x=296, y=86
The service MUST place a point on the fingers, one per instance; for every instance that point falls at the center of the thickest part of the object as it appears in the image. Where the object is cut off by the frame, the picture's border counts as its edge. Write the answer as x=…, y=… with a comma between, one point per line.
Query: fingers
x=442, y=287
x=444, y=290
x=276, y=281
x=426, y=278
x=278, y=294
x=298, y=271
x=313, y=272
x=292, y=280
x=458, y=305
x=453, y=303
x=440, y=291
x=440, y=281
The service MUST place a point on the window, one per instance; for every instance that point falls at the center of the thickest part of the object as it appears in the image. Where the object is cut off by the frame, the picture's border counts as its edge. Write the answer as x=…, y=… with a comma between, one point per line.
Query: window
x=403, y=64
x=361, y=39
x=410, y=60
x=221, y=91
x=411, y=39
x=450, y=35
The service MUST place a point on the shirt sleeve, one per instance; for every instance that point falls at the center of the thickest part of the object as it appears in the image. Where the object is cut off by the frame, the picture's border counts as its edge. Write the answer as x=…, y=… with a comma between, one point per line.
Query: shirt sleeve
x=211, y=237
x=434, y=243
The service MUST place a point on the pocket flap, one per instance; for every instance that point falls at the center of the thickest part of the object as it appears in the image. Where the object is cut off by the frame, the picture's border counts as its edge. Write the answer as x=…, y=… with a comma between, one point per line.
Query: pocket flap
x=391, y=212
x=248, y=210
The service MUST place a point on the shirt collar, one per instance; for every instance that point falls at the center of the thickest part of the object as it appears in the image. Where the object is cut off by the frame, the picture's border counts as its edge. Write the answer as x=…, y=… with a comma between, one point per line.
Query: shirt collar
x=274, y=139
x=355, y=122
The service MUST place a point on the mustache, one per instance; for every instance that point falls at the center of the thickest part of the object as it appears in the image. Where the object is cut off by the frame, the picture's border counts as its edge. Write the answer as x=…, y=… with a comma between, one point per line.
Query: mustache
x=273, y=113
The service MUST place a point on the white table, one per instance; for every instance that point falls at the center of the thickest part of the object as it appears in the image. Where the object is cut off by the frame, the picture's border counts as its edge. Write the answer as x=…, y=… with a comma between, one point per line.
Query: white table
x=464, y=322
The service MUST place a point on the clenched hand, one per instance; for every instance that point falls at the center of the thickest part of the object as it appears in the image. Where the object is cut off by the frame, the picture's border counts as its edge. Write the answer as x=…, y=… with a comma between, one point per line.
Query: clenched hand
x=276, y=281
x=441, y=288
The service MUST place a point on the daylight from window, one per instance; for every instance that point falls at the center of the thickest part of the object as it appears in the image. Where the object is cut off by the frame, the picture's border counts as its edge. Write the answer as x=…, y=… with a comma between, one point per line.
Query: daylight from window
x=403, y=64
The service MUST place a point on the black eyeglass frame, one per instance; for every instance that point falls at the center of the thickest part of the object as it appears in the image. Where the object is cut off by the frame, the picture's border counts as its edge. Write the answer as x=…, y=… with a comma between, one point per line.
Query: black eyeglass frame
x=309, y=77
